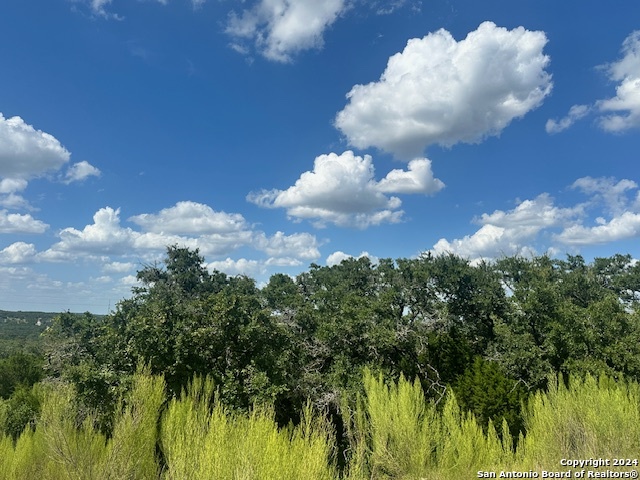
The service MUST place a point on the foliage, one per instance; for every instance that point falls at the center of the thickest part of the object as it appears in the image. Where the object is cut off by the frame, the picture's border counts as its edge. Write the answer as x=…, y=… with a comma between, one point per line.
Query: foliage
x=491, y=333
x=19, y=369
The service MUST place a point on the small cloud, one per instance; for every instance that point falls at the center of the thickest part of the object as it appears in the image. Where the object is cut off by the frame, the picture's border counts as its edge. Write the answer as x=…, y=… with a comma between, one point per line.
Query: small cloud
x=81, y=171
x=241, y=266
x=17, y=223
x=575, y=113
x=342, y=190
x=337, y=257
x=624, y=109
x=18, y=253
x=281, y=28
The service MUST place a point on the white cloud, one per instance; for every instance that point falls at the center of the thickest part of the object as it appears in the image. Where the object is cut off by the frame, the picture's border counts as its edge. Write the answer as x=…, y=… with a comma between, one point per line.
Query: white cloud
x=187, y=224
x=337, y=257
x=8, y=197
x=81, y=171
x=118, y=267
x=197, y=3
x=104, y=236
x=12, y=185
x=282, y=28
x=298, y=245
x=575, y=113
x=612, y=197
x=17, y=223
x=283, y=262
x=241, y=266
x=417, y=179
x=17, y=253
x=439, y=91
x=607, y=191
x=626, y=225
x=516, y=231
x=342, y=190
x=624, y=108
x=512, y=232
x=14, y=201
x=190, y=218
x=26, y=152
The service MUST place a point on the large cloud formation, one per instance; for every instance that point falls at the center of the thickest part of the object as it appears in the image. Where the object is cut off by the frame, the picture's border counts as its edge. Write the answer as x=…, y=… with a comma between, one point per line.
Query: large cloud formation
x=342, y=190
x=189, y=224
x=440, y=91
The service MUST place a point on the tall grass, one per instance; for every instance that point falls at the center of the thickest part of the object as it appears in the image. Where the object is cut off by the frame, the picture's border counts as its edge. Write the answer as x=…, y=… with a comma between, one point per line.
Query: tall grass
x=394, y=432
x=66, y=448
x=201, y=439
x=592, y=418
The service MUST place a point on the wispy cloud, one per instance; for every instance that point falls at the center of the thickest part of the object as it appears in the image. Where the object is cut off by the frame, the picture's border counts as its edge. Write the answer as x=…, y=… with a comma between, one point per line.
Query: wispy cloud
x=575, y=113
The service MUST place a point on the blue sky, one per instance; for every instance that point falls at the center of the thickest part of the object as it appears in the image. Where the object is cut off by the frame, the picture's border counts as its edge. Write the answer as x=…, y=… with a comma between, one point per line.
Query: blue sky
x=271, y=134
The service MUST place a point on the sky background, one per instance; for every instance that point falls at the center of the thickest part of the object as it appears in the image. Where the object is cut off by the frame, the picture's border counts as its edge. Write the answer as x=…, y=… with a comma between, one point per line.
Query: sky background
x=271, y=134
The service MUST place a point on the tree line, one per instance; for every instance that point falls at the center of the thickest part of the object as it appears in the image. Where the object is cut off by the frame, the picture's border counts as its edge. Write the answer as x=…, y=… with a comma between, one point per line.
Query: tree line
x=491, y=332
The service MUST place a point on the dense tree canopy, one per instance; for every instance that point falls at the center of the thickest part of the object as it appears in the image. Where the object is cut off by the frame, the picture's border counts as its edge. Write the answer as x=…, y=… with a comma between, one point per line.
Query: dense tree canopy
x=493, y=331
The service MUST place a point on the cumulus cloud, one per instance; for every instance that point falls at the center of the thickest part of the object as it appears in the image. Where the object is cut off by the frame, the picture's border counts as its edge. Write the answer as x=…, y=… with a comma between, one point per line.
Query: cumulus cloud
x=575, y=113
x=81, y=171
x=624, y=109
x=187, y=224
x=8, y=196
x=104, y=236
x=440, y=91
x=516, y=231
x=611, y=193
x=17, y=223
x=118, y=267
x=511, y=232
x=12, y=185
x=241, y=266
x=342, y=190
x=626, y=225
x=190, y=218
x=298, y=245
x=17, y=253
x=281, y=28
x=417, y=179
x=337, y=257
x=26, y=152
x=615, y=198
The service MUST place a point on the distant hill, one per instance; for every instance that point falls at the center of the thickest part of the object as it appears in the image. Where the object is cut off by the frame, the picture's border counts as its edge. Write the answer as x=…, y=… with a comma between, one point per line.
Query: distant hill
x=20, y=331
x=24, y=324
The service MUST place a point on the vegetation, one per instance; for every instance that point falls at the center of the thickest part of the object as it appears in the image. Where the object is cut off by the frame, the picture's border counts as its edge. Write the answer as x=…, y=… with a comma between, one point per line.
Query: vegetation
x=415, y=368
x=394, y=431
